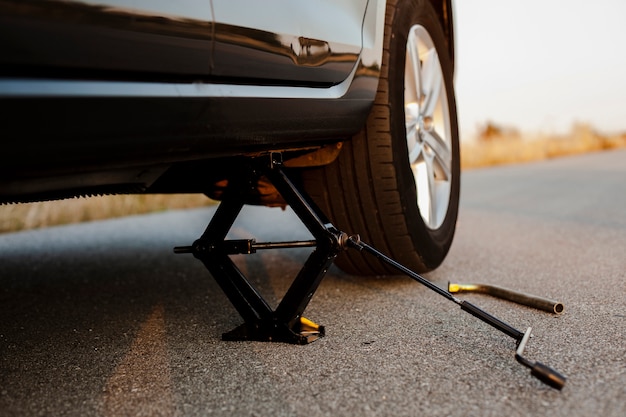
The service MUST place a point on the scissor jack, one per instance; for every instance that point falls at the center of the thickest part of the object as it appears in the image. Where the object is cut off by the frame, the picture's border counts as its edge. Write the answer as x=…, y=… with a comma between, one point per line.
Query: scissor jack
x=286, y=323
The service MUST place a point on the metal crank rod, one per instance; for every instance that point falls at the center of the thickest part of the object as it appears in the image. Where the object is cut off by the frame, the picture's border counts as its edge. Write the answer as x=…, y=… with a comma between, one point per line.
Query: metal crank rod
x=544, y=373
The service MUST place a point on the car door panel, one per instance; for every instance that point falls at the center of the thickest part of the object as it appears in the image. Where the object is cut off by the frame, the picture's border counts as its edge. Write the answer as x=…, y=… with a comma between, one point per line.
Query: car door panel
x=106, y=39
x=287, y=42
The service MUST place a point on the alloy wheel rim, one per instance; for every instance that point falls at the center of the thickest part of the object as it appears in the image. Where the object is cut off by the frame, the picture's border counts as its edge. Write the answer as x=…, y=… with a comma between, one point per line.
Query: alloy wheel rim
x=428, y=129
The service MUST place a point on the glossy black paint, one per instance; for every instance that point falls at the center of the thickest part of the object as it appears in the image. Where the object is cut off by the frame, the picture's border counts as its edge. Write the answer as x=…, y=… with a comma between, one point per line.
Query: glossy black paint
x=244, y=53
x=152, y=132
x=71, y=39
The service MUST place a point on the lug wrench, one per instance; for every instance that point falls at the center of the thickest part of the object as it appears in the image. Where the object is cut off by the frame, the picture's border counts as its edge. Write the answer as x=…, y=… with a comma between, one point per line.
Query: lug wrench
x=533, y=301
x=542, y=372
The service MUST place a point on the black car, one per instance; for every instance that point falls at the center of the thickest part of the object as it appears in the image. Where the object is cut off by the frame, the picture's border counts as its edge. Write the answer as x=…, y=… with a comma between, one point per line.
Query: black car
x=123, y=96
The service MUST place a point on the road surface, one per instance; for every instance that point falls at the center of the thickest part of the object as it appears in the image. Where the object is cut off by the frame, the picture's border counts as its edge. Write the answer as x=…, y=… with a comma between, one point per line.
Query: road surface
x=102, y=319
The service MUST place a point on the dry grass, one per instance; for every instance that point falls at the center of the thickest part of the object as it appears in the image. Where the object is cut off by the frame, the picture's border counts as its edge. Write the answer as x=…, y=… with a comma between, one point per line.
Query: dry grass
x=494, y=146
x=499, y=146
x=17, y=217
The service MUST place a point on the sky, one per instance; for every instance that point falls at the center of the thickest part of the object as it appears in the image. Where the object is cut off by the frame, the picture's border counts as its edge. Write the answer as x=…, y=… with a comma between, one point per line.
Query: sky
x=540, y=66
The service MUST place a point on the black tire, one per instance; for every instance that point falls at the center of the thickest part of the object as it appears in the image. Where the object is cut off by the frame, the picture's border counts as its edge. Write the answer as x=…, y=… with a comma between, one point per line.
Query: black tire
x=370, y=189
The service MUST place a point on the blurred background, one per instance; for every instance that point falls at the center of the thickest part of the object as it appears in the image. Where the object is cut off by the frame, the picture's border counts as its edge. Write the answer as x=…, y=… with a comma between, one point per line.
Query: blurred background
x=541, y=66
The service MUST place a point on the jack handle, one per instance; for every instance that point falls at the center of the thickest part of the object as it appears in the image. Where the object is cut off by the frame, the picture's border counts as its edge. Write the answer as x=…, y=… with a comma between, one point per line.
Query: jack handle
x=540, y=371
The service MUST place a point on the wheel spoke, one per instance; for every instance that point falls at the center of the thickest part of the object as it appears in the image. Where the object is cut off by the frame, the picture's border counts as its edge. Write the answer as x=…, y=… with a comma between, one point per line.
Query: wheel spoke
x=411, y=116
x=415, y=152
x=413, y=90
x=432, y=80
x=412, y=131
x=441, y=151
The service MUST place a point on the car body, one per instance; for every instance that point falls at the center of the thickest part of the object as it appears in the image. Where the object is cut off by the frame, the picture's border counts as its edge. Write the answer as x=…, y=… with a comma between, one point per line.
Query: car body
x=108, y=96
x=149, y=96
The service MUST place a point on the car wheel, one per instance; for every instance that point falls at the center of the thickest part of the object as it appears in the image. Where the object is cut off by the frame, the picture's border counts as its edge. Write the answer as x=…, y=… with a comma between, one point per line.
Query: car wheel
x=396, y=183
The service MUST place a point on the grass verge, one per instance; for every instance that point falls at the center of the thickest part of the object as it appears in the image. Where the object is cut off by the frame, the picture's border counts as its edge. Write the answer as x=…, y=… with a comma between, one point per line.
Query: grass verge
x=498, y=146
x=15, y=217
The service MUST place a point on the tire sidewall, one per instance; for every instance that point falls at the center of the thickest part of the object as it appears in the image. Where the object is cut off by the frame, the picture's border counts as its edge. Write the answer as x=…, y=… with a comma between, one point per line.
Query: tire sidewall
x=409, y=13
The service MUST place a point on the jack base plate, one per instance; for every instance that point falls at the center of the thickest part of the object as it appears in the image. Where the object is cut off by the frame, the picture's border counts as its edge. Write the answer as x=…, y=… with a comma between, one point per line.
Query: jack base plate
x=304, y=332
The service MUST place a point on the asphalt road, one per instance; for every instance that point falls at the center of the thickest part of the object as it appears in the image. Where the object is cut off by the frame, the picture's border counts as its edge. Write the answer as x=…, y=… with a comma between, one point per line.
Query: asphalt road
x=103, y=319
